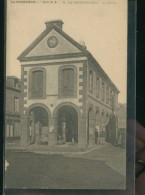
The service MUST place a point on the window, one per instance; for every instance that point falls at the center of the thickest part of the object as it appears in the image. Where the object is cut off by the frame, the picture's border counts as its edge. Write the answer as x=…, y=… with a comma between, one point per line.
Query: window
x=37, y=84
x=97, y=87
x=16, y=104
x=111, y=103
x=12, y=128
x=114, y=100
x=7, y=130
x=91, y=81
x=16, y=128
x=107, y=95
x=68, y=82
x=11, y=131
x=103, y=91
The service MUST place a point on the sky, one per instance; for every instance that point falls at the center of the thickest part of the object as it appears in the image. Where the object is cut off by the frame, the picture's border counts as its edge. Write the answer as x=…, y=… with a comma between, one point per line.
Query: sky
x=102, y=25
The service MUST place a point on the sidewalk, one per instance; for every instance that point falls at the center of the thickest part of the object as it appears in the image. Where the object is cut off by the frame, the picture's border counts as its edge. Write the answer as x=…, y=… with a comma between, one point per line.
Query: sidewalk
x=58, y=149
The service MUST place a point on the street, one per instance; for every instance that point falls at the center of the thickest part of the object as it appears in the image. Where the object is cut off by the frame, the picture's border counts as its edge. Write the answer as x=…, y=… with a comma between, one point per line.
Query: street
x=103, y=168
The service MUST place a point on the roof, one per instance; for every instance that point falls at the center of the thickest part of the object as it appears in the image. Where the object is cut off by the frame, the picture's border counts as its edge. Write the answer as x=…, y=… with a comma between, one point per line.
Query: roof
x=92, y=59
x=12, y=77
x=84, y=51
x=10, y=85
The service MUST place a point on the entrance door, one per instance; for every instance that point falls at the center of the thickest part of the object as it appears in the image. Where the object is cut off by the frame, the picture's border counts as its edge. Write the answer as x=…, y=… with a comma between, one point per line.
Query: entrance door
x=68, y=119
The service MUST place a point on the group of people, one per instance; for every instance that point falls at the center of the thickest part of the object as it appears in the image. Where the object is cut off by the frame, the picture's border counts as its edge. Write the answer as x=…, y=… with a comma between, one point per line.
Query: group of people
x=62, y=136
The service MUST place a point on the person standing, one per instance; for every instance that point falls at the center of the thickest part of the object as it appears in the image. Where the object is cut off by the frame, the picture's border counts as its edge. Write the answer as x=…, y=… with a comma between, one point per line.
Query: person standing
x=97, y=135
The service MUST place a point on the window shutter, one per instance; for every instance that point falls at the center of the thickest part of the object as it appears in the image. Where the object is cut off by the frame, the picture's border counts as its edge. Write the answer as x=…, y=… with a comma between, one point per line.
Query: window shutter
x=37, y=84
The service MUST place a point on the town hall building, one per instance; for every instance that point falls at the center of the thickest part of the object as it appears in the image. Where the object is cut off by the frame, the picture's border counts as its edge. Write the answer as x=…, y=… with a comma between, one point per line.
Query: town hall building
x=66, y=95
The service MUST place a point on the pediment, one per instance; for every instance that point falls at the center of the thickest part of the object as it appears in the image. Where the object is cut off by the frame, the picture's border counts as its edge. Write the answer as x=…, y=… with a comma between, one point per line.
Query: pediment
x=51, y=43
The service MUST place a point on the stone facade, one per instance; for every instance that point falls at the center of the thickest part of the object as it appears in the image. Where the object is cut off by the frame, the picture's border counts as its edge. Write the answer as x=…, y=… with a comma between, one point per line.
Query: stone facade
x=54, y=57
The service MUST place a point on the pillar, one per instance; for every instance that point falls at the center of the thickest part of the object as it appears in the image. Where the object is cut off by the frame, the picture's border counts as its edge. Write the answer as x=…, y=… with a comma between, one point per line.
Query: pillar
x=91, y=126
x=92, y=132
x=25, y=139
x=82, y=131
x=52, y=137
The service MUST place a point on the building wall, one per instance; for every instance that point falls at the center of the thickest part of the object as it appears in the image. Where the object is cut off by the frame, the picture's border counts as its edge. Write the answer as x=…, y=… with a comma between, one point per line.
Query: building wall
x=99, y=110
x=10, y=98
x=83, y=100
x=52, y=100
x=92, y=95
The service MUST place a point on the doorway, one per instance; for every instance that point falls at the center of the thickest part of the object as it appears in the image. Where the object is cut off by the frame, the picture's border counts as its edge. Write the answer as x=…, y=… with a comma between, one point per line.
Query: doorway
x=67, y=125
x=38, y=126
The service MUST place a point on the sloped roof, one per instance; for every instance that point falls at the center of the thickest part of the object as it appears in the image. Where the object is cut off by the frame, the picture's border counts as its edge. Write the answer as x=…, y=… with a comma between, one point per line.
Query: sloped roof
x=94, y=61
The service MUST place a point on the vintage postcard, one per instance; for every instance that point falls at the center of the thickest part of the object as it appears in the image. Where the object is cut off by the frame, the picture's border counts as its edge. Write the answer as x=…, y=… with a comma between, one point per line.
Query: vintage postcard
x=65, y=118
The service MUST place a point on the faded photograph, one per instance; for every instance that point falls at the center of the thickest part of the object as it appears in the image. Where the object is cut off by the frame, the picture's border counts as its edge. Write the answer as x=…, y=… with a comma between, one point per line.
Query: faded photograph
x=65, y=92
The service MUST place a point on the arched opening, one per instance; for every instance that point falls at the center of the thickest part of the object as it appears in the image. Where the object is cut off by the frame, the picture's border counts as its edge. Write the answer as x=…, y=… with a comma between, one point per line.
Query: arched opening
x=97, y=127
x=38, y=125
x=91, y=127
x=103, y=127
x=67, y=125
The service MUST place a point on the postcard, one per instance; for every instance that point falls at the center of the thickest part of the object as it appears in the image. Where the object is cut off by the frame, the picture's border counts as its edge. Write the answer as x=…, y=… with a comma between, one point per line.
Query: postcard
x=66, y=86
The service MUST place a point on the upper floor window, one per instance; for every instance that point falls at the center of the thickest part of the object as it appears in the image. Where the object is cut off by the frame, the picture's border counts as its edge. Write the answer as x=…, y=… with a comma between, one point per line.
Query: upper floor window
x=37, y=83
x=97, y=87
x=16, y=104
x=103, y=91
x=107, y=95
x=111, y=99
x=114, y=100
x=91, y=81
x=68, y=82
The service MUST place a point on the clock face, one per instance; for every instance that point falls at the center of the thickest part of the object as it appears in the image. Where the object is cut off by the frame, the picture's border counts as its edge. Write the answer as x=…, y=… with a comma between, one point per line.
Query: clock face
x=52, y=42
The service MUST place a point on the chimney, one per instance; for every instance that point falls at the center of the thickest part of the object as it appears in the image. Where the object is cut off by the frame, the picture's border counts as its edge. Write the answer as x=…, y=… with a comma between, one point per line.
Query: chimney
x=82, y=43
x=12, y=81
x=58, y=23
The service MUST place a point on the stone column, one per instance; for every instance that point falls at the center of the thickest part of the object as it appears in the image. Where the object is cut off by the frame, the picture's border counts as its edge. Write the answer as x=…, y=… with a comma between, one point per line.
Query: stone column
x=91, y=127
x=82, y=132
x=25, y=138
x=52, y=139
x=92, y=132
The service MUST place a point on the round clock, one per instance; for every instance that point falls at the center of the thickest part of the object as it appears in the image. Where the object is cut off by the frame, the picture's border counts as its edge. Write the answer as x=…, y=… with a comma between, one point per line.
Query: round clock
x=52, y=42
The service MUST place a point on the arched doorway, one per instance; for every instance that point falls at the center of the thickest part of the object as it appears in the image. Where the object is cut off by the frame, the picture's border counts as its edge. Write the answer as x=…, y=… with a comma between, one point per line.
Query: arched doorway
x=67, y=125
x=38, y=125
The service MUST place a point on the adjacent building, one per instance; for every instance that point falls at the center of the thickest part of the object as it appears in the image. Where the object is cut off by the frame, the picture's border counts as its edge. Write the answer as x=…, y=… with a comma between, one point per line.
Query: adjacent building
x=12, y=113
x=65, y=92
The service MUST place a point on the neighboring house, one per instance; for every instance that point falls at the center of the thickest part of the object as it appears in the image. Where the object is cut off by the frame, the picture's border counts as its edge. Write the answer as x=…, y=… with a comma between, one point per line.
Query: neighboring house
x=12, y=113
x=65, y=92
